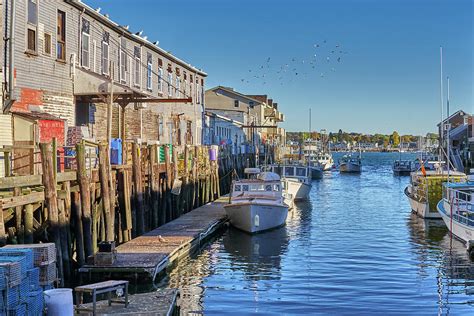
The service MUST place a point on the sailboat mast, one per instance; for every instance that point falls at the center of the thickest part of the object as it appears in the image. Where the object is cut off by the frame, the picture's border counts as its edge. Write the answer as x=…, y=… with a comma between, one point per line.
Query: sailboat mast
x=441, y=97
x=448, y=130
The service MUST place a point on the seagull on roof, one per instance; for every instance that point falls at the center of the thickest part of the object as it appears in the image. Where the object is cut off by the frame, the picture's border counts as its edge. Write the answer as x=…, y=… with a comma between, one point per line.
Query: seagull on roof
x=139, y=33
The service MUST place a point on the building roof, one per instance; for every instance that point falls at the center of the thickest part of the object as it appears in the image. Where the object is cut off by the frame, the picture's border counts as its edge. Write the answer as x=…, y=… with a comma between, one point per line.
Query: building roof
x=224, y=118
x=460, y=112
x=232, y=91
x=120, y=29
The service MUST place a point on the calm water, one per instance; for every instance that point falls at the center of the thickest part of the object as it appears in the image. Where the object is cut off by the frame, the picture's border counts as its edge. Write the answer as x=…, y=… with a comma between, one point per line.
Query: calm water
x=354, y=248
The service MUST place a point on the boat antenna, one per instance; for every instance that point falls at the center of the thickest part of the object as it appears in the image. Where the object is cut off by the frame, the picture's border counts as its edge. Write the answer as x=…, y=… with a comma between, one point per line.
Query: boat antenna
x=441, y=97
x=448, y=129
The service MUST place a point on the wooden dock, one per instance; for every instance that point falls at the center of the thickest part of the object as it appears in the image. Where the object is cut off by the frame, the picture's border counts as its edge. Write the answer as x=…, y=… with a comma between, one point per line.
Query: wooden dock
x=161, y=302
x=151, y=253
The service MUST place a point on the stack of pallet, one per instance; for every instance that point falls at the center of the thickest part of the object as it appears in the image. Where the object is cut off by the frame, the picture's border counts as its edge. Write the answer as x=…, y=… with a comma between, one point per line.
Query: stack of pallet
x=25, y=272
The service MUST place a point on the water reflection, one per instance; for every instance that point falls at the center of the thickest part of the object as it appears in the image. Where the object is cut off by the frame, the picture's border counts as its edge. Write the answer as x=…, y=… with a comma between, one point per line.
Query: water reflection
x=259, y=256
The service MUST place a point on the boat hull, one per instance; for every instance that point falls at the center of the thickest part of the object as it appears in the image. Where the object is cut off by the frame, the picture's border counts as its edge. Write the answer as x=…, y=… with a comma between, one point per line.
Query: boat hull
x=349, y=168
x=420, y=208
x=401, y=172
x=327, y=166
x=461, y=231
x=299, y=190
x=316, y=173
x=254, y=218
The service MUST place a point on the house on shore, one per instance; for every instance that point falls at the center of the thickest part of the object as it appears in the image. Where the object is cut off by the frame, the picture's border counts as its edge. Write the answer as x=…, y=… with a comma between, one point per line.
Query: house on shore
x=99, y=78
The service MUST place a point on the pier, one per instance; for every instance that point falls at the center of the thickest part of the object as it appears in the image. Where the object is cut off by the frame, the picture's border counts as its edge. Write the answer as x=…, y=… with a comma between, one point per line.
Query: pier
x=152, y=253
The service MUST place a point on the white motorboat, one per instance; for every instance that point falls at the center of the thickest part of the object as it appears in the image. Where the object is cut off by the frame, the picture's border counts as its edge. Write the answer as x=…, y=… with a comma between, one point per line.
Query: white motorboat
x=296, y=180
x=457, y=210
x=257, y=204
x=350, y=164
x=425, y=190
x=319, y=161
x=325, y=160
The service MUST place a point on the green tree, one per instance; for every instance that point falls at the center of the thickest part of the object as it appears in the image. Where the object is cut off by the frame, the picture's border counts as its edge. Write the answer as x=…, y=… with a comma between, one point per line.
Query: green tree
x=395, y=139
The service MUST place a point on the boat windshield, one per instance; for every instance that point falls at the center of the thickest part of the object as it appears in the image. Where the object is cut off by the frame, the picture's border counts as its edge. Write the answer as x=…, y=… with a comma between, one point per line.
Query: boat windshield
x=267, y=187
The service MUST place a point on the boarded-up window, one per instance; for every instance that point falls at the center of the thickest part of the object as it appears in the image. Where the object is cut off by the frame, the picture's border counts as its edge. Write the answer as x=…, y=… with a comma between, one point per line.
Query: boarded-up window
x=31, y=40
x=61, y=36
x=47, y=44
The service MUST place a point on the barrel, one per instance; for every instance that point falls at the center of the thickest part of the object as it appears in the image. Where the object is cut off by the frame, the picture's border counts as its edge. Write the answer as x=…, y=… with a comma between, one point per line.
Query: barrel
x=212, y=154
x=59, y=302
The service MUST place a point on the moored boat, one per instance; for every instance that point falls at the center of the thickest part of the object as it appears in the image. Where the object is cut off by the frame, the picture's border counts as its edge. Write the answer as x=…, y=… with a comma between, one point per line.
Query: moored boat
x=425, y=190
x=350, y=164
x=295, y=178
x=403, y=167
x=257, y=204
x=456, y=208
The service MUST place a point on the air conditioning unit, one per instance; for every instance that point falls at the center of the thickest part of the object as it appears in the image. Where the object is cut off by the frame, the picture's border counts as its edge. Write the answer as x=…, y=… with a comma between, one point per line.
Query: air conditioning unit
x=139, y=106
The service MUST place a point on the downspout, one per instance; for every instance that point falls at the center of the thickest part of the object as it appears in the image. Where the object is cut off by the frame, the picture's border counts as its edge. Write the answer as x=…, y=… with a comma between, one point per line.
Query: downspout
x=11, y=62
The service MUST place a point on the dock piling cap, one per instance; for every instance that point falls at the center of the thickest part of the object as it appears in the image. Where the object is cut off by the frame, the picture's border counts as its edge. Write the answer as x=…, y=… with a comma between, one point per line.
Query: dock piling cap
x=252, y=170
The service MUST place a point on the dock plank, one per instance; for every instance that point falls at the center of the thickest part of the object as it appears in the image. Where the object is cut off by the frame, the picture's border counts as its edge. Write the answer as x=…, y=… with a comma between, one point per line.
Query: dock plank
x=156, y=249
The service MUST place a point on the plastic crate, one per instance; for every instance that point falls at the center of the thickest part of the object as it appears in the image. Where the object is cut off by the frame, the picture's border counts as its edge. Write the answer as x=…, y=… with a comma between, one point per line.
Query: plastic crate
x=12, y=272
x=19, y=310
x=14, y=252
x=33, y=276
x=3, y=278
x=116, y=151
x=43, y=254
x=48, y=274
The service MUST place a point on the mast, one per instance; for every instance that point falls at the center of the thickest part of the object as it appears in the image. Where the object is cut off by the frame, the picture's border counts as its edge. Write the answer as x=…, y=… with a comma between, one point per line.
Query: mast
x=448, y=130
x=441, y=97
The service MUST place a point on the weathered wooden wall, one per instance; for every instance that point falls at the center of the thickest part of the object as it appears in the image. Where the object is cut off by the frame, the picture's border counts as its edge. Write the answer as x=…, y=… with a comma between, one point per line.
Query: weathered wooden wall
x=80, y=207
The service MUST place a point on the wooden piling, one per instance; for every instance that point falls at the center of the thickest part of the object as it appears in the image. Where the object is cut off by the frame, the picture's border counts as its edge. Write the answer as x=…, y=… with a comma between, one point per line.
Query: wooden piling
x=84, y=187
x=104, y=176
x=138, y=182
x=79, y=231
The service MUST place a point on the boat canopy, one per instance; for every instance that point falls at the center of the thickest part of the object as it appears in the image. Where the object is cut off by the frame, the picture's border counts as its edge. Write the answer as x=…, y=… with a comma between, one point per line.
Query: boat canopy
x=268, y=176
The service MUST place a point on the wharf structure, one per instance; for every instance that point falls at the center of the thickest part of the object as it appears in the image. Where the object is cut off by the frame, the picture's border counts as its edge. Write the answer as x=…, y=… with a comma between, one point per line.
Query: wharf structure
x=101, y=136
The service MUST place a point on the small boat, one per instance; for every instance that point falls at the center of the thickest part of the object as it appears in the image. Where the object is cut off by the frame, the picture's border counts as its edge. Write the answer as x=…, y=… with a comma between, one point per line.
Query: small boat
x=425, y=190
x=326, y=161
x=257, y=204
x=295, y=178
x=350, y=164
x=457, y=210
x=403, y=167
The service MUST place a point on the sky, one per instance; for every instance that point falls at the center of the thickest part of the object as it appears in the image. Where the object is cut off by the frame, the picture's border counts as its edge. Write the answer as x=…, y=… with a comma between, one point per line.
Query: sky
x=383, y=71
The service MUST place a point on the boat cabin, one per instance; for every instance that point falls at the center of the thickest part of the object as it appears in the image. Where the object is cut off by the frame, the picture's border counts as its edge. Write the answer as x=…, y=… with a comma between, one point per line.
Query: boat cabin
x=264, y=184
x=291, y=171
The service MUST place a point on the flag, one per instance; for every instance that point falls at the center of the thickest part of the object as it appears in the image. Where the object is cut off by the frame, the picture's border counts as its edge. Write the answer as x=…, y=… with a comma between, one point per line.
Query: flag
x=423, y=170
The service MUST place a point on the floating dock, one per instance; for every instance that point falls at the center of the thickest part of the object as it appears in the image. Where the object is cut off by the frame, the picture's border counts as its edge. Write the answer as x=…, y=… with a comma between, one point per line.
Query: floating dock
x=151, y=253
x=161, y=302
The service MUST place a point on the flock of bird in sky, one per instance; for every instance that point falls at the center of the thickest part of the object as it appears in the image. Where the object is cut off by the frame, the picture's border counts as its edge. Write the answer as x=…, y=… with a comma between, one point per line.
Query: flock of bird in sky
x=322, y=62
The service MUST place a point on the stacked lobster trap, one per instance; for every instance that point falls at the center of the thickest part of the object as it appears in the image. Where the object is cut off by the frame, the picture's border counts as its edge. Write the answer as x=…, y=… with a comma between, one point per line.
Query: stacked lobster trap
x=25, y=272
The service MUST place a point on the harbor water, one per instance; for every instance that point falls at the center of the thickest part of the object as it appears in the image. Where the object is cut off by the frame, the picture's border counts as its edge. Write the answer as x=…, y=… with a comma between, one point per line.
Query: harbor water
x=353, y=249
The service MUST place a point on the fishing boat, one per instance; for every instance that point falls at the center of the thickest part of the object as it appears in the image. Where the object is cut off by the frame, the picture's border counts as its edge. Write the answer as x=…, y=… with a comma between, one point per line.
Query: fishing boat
x=325, y=160
x=257, y=204
x=350, y=163
x=403, y=167
x=457, y=210
x=296, y=179
x=425, y=190
x=318, y=161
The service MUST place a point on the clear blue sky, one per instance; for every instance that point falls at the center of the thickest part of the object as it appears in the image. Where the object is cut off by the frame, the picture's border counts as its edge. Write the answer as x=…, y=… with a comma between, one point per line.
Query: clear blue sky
x=387, y=77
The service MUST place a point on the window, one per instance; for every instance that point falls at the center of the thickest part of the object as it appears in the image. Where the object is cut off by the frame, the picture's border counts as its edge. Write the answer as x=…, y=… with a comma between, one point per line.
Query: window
x=160, y=80
x=85, y=44
x=61, y=36
x=149, y=72
x=105, y=54
x=170, y=84
x=47, y=49
x=178, y=87
x=32, y=26
x=189, y=132
x=198, y=97
x=137, y=73
x=251, y=104
x=160, y=127
x=236, y=103
x=123, y=60
x=237, y=188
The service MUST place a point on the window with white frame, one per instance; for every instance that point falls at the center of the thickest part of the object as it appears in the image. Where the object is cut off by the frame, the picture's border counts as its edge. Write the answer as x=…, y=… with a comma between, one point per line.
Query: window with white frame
x=123, y=60
x=137, y=63
x=170, y=84
x=105, y=53
x=85, y=44
x=149, y=72
x=32, y=27
x=160, y=80
x=160, y=127
x=47, y=44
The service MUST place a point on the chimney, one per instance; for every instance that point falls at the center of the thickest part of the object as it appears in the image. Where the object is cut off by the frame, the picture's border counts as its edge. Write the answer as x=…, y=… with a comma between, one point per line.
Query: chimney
x=275, y=106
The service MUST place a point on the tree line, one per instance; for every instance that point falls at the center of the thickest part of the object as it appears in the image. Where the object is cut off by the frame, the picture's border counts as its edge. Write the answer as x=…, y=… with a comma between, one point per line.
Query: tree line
x=384, y=140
